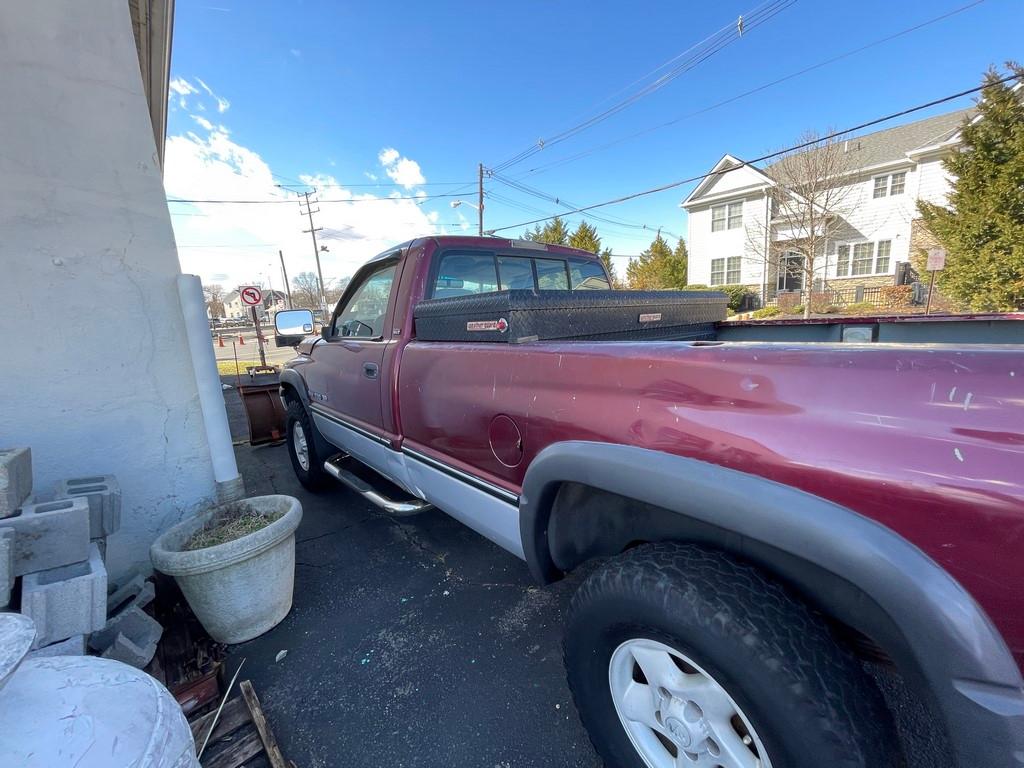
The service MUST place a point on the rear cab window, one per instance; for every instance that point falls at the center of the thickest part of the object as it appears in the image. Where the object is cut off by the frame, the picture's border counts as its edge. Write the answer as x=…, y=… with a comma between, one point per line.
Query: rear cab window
x=462, y=273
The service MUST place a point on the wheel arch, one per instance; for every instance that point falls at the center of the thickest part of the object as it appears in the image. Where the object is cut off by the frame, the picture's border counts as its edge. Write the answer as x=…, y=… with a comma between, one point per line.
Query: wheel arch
x=854, y=569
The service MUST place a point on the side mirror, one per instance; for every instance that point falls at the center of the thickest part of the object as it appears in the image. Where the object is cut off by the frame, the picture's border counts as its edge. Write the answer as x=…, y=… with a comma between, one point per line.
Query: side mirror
x=291, y=326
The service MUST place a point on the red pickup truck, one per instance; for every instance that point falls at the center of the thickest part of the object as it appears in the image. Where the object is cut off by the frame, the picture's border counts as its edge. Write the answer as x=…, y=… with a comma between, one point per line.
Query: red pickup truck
x=773, y=507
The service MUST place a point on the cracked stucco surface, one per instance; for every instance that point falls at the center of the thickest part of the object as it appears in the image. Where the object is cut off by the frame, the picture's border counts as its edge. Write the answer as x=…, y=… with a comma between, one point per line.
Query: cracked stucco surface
x=97, y=371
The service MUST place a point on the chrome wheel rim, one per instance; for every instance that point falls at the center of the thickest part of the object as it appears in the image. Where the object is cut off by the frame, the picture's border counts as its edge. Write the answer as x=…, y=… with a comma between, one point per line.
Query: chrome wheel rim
x=676, y=714
x=300, y=446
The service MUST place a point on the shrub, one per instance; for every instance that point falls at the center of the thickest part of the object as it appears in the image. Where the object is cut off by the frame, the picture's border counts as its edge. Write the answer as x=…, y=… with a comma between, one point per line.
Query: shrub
x=766, y=312
x=736, y=294
x=697, y=287
x=860, y=308
x=797, y=310
x=788, y=300
x=895, y=296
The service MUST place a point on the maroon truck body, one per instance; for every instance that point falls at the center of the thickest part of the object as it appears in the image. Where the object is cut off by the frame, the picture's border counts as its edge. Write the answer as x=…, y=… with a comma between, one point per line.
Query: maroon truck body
x=925, y=439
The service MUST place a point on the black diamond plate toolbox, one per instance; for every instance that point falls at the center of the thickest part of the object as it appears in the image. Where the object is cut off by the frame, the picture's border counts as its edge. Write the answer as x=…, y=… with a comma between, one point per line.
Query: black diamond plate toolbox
x=520, y=316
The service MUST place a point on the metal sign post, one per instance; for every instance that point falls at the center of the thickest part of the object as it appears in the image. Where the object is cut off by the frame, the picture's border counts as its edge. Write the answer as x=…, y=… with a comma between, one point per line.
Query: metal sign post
x=936, y=263
x=252, y=296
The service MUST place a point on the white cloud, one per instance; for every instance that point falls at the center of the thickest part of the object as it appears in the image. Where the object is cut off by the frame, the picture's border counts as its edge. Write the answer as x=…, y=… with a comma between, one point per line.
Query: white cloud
x=222, y=104
x=400, y=170
x=182, y=87
x=295, y=52
x=370, y=176
x=238, y=243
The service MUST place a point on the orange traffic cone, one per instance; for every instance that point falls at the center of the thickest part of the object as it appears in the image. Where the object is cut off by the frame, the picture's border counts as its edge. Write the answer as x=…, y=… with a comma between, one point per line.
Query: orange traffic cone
x=241, y=340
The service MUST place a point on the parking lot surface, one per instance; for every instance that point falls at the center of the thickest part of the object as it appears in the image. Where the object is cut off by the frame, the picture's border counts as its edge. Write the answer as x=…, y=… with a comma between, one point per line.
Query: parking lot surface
x=412, y=642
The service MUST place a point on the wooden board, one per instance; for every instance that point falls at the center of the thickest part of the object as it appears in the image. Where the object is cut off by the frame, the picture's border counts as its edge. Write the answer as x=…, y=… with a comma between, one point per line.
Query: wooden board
x=240, y=734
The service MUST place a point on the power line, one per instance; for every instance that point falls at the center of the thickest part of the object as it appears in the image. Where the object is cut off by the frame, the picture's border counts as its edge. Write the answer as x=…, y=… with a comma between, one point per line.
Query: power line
x=563, y=202
x=699, y=53
x=852, y=52
x=377, y=183
x=794, y=148
x=293, y=200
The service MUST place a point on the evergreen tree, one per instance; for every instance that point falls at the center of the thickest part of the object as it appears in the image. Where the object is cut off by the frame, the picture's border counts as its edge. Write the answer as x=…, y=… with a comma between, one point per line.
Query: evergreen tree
x=536, y=234
x=982, y=230
x=678, y=265
x=555, y=232
x=606, y=259
x=585, y=238
x=652, y=270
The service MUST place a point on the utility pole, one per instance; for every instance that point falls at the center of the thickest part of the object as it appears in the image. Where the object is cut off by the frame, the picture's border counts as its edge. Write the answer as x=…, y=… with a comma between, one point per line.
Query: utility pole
x=316, y=250
x=284, y=274
x=480, y=200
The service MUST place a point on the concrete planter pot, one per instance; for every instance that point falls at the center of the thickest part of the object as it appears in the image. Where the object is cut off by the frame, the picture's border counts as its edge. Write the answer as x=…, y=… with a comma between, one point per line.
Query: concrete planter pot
x=241, y=588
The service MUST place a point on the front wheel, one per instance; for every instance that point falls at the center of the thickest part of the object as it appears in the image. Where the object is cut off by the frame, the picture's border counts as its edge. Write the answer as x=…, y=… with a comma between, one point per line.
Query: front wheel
x=307, y=463
x=682, y=657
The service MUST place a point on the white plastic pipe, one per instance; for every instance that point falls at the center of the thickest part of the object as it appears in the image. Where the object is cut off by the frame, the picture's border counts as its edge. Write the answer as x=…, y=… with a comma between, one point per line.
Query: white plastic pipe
x=211, y=398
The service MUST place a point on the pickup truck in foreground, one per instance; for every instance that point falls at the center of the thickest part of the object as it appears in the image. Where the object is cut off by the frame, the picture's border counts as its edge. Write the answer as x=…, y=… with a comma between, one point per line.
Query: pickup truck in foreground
x=774, y=506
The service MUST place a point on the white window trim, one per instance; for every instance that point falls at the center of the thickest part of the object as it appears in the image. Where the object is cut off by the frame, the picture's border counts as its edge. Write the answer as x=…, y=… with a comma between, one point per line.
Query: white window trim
x=887, y=188
x=851, y=246
x=727, y=215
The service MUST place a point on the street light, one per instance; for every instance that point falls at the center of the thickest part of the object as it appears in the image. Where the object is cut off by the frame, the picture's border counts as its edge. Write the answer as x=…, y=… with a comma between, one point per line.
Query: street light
x=457, y=203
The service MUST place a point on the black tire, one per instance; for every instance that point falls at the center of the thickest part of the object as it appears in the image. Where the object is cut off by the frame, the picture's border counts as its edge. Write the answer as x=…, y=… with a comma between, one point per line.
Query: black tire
x=806, y=697
x=312, y=478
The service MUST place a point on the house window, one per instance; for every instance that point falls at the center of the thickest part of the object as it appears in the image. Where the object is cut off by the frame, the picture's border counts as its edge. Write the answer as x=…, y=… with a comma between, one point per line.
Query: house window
x=725, y=271
x=791, y=272
x=895, y=184
x=729, y=216
x=863, y=256
x=882, y=257
x=718, y=272
x=843, y=261
x=732, y=270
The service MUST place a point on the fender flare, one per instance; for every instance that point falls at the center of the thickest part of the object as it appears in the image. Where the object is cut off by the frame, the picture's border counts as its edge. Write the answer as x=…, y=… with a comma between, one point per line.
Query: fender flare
x=291, y=378
x=861, y=572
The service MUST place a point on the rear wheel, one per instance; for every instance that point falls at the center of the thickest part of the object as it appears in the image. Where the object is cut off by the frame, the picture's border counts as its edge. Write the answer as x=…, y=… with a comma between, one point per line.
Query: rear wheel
x=681, y=657
x=307, y=463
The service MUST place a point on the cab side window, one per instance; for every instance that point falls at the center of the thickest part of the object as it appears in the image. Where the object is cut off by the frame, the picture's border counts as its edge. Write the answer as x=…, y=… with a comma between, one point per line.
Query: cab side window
x=462, y=274
x=364, y=311
x=586, y=275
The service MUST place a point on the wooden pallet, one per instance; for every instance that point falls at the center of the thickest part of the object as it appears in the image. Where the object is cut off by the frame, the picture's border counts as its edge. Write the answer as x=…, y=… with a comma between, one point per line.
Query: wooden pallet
x=241, y=736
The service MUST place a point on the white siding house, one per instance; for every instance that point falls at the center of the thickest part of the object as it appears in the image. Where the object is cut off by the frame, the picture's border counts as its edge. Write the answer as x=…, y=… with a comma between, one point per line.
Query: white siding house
x=887, y=173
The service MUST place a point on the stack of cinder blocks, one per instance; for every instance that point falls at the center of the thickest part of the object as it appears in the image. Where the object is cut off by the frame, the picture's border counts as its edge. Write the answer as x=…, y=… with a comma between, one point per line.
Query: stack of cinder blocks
x=58, y=549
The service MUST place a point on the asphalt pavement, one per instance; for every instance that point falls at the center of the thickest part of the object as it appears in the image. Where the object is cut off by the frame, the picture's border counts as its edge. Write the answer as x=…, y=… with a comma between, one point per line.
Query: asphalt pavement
x=416, y=642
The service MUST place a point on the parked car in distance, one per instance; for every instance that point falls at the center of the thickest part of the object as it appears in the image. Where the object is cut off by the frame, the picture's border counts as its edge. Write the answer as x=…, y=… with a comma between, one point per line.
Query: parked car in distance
x=773, y=506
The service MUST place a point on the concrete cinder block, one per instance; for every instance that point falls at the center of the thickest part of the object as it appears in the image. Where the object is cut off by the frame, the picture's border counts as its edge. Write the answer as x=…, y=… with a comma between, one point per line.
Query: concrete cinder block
x=134, y=623
x=127, y=651
x=73, y=646
x=138, y=592
x=104, y=495
x=66, y=601
x=6, y=565
x=50, y=534
x=15, y=478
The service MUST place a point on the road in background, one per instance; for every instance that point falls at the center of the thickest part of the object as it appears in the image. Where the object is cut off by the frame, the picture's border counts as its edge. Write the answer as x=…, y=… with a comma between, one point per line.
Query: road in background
x=249, y=352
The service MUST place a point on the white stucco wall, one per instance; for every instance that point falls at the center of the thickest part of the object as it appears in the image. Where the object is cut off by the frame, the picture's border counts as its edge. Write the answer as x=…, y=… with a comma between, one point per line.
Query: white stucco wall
x=97, y=375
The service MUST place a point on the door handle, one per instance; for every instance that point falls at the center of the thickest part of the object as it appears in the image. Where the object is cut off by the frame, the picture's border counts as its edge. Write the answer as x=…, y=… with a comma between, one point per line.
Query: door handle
x=370, y=370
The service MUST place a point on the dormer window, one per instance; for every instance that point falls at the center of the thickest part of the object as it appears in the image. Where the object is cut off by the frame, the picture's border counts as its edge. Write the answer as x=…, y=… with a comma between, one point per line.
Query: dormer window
x=727, y=216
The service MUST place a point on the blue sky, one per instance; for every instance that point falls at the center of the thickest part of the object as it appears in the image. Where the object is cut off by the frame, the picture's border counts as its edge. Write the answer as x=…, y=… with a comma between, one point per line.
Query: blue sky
x=283, y=92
